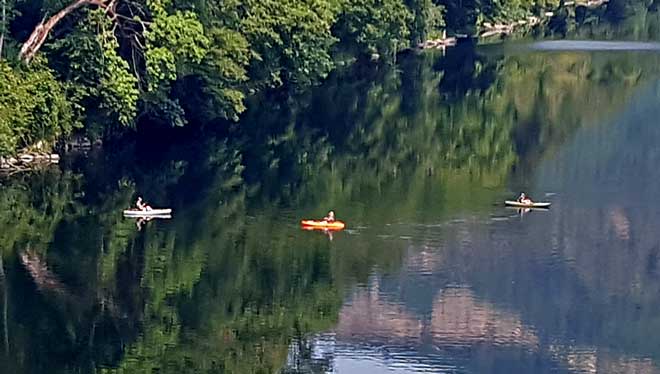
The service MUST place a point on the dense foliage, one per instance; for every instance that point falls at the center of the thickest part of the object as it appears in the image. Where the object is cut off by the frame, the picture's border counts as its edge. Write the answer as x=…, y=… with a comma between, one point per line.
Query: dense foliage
x=108, y=64
x=33, y=107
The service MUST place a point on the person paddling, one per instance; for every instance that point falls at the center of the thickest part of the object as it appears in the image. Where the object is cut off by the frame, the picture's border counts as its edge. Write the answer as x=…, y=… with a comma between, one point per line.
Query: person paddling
x=523, y=199
x=141, y=205
x=330, y=217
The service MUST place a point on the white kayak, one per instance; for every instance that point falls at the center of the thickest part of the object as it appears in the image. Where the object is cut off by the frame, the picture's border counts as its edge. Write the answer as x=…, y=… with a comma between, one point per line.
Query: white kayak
x=147, y=213
x=523, y=205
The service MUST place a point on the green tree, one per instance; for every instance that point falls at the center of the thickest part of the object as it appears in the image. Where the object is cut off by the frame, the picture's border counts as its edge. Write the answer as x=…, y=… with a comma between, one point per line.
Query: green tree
x=375, y=27
x=33, y=108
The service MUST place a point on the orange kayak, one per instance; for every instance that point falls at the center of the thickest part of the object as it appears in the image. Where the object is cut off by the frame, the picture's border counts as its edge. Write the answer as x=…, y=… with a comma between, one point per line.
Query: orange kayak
x=310, y=224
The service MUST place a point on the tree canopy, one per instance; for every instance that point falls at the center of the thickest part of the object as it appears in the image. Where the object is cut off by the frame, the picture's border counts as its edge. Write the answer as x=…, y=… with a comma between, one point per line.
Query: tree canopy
x=108, y=64
x=124, y=59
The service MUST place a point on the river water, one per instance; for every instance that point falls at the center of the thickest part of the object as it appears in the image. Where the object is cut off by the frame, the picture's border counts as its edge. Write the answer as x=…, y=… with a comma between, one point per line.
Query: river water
x=432, y=275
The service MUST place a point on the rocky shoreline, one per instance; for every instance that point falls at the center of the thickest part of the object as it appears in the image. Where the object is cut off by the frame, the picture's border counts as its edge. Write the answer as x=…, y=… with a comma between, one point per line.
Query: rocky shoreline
x=26, y=161
x=489, y=29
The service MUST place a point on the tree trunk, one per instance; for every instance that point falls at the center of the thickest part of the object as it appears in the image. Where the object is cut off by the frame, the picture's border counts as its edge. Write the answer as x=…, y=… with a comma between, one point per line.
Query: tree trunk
x=40, y=33
x=4, y=26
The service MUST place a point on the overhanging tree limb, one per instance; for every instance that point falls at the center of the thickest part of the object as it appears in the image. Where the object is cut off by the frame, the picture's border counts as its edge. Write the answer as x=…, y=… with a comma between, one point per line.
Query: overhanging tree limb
x=41, y=31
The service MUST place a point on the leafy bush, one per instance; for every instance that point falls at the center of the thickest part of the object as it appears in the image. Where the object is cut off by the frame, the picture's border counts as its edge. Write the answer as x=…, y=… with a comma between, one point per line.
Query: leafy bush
x=33, y=107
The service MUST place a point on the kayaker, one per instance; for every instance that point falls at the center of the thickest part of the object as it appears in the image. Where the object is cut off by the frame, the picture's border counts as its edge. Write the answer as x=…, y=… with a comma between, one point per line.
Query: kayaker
x=330, y=217
x=141, y=205
x=524, y=199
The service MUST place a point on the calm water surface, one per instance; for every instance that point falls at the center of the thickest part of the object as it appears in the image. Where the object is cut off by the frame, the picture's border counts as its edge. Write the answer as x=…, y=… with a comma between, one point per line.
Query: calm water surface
x=433, y=274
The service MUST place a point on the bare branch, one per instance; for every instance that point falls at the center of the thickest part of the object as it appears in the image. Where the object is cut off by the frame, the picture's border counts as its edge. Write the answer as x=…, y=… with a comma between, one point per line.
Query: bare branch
x=41, y=31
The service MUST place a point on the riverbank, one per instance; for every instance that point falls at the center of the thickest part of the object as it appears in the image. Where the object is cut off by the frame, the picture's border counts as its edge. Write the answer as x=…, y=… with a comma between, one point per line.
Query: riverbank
x=26, y=161
x=489, y=30
x=47, y=100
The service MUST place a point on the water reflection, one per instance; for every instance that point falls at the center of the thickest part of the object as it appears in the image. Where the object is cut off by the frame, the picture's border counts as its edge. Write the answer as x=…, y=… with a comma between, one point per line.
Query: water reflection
x=589, y=45
x=573, y=290
x=457, y=320
x=431, y=276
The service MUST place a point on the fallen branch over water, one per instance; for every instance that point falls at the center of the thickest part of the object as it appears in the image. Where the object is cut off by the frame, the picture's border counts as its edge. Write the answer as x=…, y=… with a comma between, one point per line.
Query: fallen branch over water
x=489, y=30
x=506, y=29
x=438, y=43
x=588, y=4
x=26, y=161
